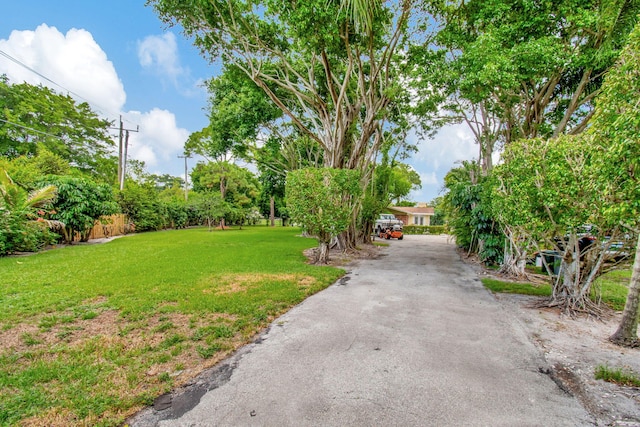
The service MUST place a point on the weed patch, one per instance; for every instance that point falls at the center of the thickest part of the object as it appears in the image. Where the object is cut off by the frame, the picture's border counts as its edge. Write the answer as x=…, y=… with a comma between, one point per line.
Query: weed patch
x=620, y=376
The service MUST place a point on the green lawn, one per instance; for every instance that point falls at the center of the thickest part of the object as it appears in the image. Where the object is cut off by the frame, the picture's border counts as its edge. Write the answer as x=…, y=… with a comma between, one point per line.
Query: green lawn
x=516, y=288
x=90, y=333
x=610, y=289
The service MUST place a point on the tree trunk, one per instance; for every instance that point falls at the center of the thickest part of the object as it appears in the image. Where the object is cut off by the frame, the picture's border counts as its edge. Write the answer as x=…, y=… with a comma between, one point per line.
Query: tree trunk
x=322, y=256
x=68, y=235
x=513, y=264
x=84, y=236
x=272, y=211
x=223, y=194
x=365, y=233
x=567, y=291
x=515, y=259
x=627, y=333
x=347, y=240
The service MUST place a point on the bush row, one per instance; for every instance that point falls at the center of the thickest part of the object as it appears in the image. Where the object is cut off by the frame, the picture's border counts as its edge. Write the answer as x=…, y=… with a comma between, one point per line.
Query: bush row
x=424, y=229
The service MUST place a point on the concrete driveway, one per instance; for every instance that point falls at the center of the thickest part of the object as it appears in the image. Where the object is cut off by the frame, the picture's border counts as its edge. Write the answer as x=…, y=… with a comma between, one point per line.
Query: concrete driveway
x=409, y=339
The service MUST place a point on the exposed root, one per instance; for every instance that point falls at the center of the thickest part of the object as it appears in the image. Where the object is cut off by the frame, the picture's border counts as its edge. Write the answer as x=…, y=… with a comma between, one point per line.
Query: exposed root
x=339, y=257
x=624, y=342
x=572, y=309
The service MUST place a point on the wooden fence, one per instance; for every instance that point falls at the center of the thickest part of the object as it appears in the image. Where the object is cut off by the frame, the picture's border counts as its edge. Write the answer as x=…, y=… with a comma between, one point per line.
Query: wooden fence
x=109, y=226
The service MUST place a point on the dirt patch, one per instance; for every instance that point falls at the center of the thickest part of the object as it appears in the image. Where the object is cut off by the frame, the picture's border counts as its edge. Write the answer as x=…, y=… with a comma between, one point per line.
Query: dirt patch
x=574, y=347
x=230, y=284
x=338, y=258
x=108, y=331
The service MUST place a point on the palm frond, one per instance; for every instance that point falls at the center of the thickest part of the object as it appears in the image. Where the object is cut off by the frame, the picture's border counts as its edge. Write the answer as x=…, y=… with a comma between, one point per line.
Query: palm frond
x=42, y=196
x=361, y=12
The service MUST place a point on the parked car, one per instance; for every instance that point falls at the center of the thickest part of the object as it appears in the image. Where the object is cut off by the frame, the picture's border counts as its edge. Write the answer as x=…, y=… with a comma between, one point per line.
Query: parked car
x=387, y=221
x=588, y=236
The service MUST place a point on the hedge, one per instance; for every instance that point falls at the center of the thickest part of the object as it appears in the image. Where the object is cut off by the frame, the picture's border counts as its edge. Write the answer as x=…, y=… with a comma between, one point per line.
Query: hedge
x=424, y=229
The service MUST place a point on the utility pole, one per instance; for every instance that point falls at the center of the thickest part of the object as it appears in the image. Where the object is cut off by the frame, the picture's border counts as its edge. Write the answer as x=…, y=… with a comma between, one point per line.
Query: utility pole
x=120, y=154
x=123, y=150
x=124, y=158
x=186, y=179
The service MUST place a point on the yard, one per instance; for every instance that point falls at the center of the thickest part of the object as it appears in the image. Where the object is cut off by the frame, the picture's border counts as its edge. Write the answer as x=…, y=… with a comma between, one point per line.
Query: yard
x=91, y=333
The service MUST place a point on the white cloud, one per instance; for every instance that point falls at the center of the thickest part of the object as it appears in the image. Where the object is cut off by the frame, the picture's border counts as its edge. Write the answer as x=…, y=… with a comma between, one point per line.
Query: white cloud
x=429, y=178
x=160, y=54
x=76, y=62
x=437, y=156
x=159, y=140
x=73, y=60
x=451, y=144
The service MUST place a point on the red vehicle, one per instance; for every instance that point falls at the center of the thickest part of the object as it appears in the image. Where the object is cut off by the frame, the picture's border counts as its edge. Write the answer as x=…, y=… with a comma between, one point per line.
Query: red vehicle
x=391, y=233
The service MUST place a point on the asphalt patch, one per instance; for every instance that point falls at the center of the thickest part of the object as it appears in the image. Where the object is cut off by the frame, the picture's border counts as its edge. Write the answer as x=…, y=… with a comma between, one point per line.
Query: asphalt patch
x=175, y=404
x=343, y=281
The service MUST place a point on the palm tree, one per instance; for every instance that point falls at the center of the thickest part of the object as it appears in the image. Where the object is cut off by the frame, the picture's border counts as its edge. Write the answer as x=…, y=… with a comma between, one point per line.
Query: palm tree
x=18, y=208
x=16, y=200
x=362, y=13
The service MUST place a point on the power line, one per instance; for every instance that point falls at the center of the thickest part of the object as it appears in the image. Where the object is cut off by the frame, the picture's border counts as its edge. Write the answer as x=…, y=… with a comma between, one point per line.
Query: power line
x=22, y=64
x=31, y=129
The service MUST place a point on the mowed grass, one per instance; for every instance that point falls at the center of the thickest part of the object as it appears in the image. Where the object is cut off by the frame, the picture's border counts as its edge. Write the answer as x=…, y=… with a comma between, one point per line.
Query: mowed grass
x=501, y=286
x=91, y=333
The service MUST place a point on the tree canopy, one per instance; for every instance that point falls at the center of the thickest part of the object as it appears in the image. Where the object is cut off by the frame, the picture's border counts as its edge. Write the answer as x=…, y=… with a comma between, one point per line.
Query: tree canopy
x=330, y=67
x=521, y=69
x=34, y=117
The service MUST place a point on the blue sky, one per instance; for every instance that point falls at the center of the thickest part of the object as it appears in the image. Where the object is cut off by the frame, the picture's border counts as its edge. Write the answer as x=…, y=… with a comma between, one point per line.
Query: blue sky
x=123, y=60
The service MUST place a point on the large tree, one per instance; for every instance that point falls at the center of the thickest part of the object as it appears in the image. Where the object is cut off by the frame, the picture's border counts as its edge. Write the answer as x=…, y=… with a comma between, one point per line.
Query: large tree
x=547, y=194
x=239, y=110
x=237, y=187
x=523, y=68
x=616, y=133
x=331, y=78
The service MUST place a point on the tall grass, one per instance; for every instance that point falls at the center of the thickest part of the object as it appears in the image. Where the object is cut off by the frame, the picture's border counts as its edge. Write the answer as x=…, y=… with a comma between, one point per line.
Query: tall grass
x=90, y=333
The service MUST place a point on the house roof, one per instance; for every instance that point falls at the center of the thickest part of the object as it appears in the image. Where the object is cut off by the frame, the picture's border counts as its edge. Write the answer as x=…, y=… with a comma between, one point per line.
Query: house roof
x=413, y=211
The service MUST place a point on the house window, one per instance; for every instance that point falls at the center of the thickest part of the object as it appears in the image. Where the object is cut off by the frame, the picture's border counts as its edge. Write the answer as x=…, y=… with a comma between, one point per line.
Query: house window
x=418, y=220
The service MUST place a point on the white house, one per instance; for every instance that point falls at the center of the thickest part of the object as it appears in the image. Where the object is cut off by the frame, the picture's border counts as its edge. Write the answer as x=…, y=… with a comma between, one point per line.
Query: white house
x=419, y=215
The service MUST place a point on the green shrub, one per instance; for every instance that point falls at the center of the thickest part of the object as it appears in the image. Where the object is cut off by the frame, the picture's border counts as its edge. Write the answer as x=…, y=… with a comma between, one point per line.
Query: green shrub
x=176, y=214
x=423, y=229
x=18, y=235
x=141, y=203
